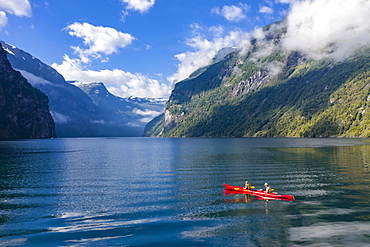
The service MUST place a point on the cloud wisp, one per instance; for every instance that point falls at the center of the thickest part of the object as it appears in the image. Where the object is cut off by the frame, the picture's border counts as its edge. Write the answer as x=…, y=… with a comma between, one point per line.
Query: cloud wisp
x=266, y=10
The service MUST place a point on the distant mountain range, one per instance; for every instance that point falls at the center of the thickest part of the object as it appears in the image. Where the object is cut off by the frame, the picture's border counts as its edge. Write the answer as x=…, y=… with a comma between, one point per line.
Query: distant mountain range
x=270, y=92
x=84, y=110
x=135, y=112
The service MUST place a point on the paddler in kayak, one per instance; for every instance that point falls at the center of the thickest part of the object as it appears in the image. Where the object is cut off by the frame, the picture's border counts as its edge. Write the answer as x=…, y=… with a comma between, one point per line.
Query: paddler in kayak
x=247, y=185
x=267, y=188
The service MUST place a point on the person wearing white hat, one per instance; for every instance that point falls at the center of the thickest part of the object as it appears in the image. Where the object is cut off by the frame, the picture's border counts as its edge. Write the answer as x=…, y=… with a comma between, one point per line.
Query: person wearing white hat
x=268, y=188
x=247, y=185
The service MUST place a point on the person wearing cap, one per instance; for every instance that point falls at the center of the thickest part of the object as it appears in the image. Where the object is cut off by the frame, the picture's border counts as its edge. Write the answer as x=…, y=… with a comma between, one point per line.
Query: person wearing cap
x=247, y=185
x=268, y=188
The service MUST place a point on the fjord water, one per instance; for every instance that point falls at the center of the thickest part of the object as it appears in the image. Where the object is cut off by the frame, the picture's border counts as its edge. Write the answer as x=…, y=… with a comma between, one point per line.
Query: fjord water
x=169, y=192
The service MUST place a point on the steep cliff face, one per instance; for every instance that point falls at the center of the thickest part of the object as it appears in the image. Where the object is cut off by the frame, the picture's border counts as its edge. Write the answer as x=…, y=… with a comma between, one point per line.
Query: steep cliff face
x=24, y=110
x=271, y=92
x=73, y=111
x=254, y=82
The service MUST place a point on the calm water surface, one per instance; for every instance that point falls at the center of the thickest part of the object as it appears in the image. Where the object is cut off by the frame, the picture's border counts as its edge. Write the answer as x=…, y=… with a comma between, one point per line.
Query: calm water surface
x=169, y=192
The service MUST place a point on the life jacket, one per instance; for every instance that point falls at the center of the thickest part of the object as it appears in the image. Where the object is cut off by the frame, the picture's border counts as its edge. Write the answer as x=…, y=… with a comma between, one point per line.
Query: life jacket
x=268, y=189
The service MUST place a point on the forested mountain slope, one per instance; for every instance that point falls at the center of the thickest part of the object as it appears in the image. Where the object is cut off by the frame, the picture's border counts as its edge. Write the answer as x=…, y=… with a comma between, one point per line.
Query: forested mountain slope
x=271, y=92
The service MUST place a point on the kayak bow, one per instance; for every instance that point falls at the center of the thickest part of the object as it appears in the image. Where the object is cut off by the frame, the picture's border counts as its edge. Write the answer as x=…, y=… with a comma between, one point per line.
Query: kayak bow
x=258, y=193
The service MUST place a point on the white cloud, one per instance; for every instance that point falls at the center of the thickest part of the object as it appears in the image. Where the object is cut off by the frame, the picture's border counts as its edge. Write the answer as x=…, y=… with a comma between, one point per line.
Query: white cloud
x=118, y=82
x=3, y=19
x=266, y=10
x=259, y=33
x=16, y=7
x=105, y=41
x=205, y=49
x=139, y=5
x=266, y=47
x=34, y=80
x=273, y=68
x=232, y=13
x=99, y=40
x=328, y=29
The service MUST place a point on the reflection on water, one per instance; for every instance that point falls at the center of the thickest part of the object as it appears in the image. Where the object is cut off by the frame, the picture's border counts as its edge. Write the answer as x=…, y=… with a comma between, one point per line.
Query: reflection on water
x=245, y=198
x=339, y=233
x=164, y=191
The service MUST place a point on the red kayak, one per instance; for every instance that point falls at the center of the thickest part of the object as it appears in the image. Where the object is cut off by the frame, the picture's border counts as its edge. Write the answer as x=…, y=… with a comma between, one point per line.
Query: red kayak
x=258, y=193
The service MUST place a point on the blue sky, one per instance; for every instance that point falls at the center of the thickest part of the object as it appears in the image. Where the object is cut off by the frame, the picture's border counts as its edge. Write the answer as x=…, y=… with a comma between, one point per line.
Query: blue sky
x=143, y=47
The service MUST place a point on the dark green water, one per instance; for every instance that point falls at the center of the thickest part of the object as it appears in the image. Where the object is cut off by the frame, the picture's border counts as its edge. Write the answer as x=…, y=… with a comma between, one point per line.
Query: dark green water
x=169, y=192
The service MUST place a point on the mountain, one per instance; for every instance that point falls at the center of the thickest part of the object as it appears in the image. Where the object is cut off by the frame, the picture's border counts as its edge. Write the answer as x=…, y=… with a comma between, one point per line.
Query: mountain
x=77, y=110
x=133, y=111
x=271, y=92
x=24, y=110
